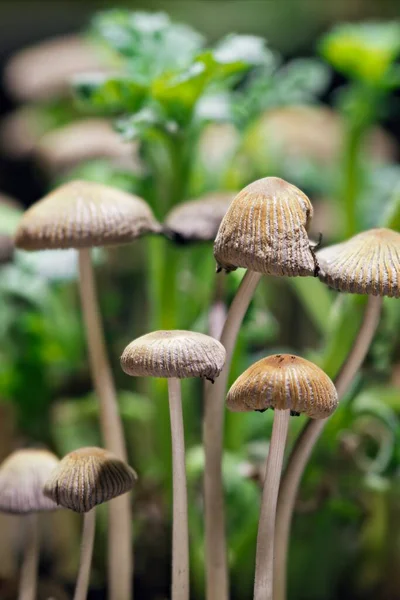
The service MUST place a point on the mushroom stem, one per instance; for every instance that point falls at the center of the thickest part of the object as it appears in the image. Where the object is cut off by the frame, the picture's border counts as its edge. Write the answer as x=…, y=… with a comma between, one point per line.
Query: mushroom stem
x=180, y=531
x=28, y=577
x=213, y=430
x=85, y=559
x=217, y=313
x=306, y=441
x=263, y=583
x=120, y=523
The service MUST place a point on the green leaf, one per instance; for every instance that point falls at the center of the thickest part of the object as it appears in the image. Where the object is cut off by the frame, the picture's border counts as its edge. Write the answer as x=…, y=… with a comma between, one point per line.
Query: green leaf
x=143, y=122
x=150, y=42
x=391, y=216
x=98, y=92
x=315, y=298
x=101, y=171
x=9, y=219
x=364, y=51
x=249, y=50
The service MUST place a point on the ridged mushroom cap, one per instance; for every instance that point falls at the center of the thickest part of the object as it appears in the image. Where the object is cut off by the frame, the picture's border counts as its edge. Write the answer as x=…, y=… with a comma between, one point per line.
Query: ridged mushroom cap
x=175, y=353
x=282, y=382
x=87, y=477
x=265, y=230
x=368, y=263
x=83, y=214
x=22, y=477
x=199, y=219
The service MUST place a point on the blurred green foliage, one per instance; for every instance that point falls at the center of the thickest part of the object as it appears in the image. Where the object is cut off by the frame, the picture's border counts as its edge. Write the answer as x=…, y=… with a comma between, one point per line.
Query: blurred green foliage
x=202, y=118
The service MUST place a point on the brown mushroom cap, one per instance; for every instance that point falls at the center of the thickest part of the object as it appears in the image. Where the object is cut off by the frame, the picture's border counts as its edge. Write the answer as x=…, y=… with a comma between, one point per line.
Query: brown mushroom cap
x=199, y=219
x=44, y=70
x=368, y=263
x=265, y=230
x=82, y=214
x=87, y=477
x=180, y=354
x=22, y=477
x=282, y=382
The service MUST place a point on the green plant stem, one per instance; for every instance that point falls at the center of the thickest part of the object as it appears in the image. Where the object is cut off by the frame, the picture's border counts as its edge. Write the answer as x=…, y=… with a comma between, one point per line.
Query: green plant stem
x=28, y=576
x=180, y=530
x=263, y=583
x=217, y=585
x=120, y=560
x=85, y=559
x=308, y=438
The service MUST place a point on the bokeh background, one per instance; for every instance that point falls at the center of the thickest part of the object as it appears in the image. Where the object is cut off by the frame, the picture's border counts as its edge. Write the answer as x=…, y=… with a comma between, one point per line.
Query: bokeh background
x=346, y=537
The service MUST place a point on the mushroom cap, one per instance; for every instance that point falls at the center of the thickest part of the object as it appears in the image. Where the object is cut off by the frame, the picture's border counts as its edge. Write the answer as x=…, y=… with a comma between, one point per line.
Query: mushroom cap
x=43, y=71
x=265, y=230
x=82, y=214
x=22, y=477
x=282, y=382
x=63, y=148
x=199, y=219
x=368, y=263
x=87, y=477
x=180, y=354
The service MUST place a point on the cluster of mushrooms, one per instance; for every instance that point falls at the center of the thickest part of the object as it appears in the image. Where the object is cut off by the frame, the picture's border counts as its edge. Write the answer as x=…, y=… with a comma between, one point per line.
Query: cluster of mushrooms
x=264, y=230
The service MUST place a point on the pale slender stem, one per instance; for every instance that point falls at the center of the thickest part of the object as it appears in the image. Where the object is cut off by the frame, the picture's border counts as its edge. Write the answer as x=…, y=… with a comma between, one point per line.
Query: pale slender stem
x=217, y=585
x=263, y=583
x=217, y=312
x=180, y=530
x=120, y=570
x=29, y=569
x=85, y=559
x=308, y=438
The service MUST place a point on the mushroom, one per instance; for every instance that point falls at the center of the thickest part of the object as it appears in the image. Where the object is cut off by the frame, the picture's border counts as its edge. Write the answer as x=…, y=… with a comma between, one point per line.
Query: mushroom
x=368, y=263
x=198, y=220
x=265, y=231
x=22, y=476
x=288, y=384
x=176, y=355
x=83, y=479
x=82, y=215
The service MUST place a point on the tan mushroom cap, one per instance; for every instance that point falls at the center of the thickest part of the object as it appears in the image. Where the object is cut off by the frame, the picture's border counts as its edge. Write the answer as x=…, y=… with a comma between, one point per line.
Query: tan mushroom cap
x=176, y=353
x=265, y=230
x=22, y=477
x=82, y=214
x=282, y=382
x=368, y=263
x=87, y=139
x=199, y=219
x=43, y=71
x=87, y=477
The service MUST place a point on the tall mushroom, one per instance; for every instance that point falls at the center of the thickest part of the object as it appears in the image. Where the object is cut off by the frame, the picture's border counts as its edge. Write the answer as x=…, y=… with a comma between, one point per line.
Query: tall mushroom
x=264, y=231
x=82, y=215
x=176, y=355
x=288, y=384
x=83, y=479
x=368, y=263
x=22, y=476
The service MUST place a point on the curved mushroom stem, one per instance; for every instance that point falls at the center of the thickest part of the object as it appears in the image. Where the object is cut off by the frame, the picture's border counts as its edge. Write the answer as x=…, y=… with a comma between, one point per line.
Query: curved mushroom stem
x=306, y=441
x=217, y=312
x=180, y=530
x=263, y=583
x=28, y=576
x=85, y=559
x=213, y=430
x=120, y=560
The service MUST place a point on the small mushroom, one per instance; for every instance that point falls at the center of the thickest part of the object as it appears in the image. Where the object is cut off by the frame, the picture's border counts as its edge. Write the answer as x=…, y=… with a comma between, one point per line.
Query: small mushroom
x=22, y=476
x=265, y=231
x=176, y=355
x=83, y=479
x=82, y=215
x=198, y=220
x=287, y=384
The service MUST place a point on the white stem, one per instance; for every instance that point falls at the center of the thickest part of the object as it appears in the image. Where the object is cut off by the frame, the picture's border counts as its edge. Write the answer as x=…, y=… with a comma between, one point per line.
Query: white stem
x=180, y=531
x=85, y=559
x=213, y=430
x=306, y=441
x=29, y=569
x=120, y=570
x=263, y=583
